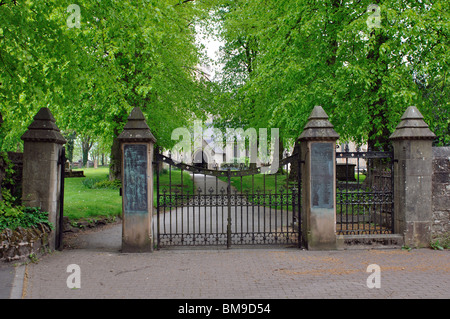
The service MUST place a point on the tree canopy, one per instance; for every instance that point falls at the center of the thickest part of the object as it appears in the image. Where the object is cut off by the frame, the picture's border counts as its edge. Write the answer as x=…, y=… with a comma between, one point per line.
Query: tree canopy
x=92, y=62
x=365, y=62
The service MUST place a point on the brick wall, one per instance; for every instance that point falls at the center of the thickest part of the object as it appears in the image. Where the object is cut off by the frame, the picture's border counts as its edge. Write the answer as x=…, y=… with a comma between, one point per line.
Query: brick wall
x=441, y=192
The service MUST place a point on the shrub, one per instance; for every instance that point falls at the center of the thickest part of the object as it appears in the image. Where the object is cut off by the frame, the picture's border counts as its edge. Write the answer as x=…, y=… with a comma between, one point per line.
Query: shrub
x=12, y=217
x=90, y=182
x=115, y=184
x=94, y=183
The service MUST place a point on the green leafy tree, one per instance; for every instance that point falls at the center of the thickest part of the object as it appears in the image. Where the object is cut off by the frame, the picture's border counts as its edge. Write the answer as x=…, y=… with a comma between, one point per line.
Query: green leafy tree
x=365, y=62
x=93, y=62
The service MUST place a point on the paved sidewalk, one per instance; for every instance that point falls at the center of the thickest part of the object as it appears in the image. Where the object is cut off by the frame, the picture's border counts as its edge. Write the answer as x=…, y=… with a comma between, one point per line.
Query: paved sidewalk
x=273, y=273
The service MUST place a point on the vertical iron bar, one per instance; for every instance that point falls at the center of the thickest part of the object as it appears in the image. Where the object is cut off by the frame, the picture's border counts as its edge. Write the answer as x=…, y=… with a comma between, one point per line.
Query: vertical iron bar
x=188, y=199
x=205, y=197
x=357, y=188
x=270, y=211
x=392, y=191
x=264, y=208
x=346, y=192
x=217, y=210
x=370, y=194
x=241, y=208
x=182, y=206
x=193, y=208
x=158, y=231
x=289, y=198
x=210, y=211
x=229, y=209
x=253, y=207
x=170, y=201
x=276, y=210
x=62, y=159
x=235, y=212
x=299, y=199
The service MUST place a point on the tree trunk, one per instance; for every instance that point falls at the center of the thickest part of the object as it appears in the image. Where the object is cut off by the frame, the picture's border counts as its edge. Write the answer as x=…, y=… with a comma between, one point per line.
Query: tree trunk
x=281, y=169
x=86, y=145
x=294, y=172
x=115, y=167
x=378, y=133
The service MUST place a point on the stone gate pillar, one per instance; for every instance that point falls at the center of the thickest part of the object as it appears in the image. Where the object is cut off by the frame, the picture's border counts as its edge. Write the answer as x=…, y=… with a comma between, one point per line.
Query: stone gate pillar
x=318, y=151
x=412, y=142
x=41, y=175
x=137, y=142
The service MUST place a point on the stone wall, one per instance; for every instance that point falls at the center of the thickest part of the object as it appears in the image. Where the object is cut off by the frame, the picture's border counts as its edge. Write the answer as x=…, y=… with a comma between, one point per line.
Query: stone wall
x=22, y=243
x=441, y=192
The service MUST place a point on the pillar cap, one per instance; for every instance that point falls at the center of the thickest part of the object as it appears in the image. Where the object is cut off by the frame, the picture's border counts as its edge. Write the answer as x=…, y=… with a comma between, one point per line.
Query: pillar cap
x=318, y=127
x=43, y=129
x=412, y=126
x=136, y=129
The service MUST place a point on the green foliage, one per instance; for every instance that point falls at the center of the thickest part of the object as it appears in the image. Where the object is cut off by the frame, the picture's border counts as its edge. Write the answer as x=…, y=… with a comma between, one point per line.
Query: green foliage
x=441, y=243
x=81, y=202
x=9, y=169
x=281, y=58
x=14, y=216
x=95, y=183
x=124, y=54
x=436, y=245
x=12, y=213
x=90, y=182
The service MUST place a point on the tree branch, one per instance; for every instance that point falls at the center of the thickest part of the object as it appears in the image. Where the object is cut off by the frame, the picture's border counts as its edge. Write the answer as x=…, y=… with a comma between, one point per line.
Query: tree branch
x=183, y=2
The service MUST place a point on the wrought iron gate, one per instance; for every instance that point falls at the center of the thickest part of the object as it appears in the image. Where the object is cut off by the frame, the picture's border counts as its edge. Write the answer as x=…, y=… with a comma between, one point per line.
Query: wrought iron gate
x=59, y=229
x=197, y=206
x=364, y=193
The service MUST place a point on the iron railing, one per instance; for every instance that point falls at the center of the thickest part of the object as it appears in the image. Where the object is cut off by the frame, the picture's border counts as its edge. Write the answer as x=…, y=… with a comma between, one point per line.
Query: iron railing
x=365, y=193
x=225, y=207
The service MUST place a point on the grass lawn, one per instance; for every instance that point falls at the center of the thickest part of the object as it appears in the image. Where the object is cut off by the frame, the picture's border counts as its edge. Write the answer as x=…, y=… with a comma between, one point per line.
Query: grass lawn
x=82, y=202
x=252, y=183
x=255, y=182
x=268, y=185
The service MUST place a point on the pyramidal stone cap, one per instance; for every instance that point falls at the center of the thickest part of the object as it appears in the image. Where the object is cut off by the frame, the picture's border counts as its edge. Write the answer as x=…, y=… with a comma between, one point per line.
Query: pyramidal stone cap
x=412, y=126
x=136, y=129
x=44, y=129
x=318, y=127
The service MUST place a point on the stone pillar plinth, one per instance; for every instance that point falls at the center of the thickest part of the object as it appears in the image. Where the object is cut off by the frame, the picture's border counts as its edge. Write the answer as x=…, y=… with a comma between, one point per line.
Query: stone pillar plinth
x=318, y=152
x=412, y=143
x=137, y=184
x=41, y=176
